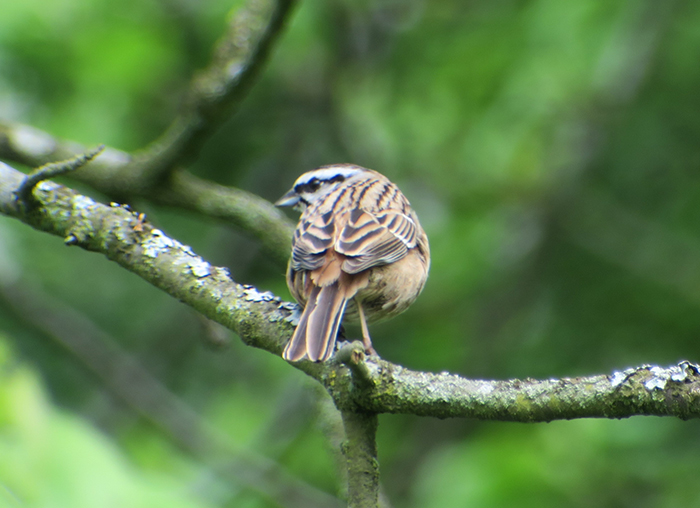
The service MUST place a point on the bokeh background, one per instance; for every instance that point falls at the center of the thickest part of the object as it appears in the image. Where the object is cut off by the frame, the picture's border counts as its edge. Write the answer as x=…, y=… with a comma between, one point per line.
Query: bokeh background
x=551, y=150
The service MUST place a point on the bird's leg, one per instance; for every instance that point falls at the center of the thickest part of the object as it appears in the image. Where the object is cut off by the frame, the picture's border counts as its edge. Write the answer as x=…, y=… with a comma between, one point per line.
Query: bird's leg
x=366, y=341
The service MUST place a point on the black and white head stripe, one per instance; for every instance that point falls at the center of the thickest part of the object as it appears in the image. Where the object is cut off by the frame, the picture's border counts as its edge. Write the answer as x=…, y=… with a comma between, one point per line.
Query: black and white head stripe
x=311, y=181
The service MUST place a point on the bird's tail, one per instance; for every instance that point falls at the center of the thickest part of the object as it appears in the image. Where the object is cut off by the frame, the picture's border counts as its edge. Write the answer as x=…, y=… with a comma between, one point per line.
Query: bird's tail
x=315, y=335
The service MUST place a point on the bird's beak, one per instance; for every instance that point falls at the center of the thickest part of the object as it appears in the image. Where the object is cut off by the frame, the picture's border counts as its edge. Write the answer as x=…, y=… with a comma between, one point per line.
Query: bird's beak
x=289, y=199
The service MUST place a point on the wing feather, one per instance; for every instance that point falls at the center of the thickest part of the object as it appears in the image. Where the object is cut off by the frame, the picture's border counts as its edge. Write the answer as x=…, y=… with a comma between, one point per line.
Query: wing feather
x=311, y=241
x=374, y=240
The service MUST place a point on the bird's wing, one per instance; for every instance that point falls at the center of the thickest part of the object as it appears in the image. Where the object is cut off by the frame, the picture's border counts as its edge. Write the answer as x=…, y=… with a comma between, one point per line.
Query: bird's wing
x=312, y=238
x=375, y=239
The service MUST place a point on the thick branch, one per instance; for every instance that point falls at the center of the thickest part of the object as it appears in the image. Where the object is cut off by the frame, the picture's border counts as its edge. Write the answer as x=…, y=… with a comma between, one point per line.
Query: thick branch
x=112, y=230
x=263, y=320
x=645, y=390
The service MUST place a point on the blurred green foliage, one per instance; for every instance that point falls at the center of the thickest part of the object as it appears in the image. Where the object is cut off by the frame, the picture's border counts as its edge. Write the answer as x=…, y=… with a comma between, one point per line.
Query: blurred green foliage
x=550, y=149
x=51, y=458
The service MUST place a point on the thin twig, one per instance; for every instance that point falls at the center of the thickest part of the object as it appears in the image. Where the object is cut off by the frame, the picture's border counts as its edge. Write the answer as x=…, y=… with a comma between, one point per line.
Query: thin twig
x=353, y=355
x=52, y=170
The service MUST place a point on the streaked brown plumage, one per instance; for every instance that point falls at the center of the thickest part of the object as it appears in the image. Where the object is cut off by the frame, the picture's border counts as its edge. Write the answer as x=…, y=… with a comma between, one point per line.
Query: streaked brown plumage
x=358, y=251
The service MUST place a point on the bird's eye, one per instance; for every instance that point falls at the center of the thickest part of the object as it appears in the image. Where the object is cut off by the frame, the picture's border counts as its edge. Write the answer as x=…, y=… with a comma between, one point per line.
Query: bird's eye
x=337, y=178
x=314, y=184
x=309, y=187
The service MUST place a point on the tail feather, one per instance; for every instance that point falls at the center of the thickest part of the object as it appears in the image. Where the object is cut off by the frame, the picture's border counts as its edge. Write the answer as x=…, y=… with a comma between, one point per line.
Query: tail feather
x=324, y=322
x=318, y=326
x=295, y=349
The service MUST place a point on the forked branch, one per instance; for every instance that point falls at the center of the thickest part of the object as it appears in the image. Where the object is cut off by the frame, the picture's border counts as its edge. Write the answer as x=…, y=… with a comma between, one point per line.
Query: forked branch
x=264, y=321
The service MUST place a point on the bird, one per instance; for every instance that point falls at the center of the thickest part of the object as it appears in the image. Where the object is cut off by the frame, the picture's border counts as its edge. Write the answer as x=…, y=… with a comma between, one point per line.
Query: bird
x=358, y=252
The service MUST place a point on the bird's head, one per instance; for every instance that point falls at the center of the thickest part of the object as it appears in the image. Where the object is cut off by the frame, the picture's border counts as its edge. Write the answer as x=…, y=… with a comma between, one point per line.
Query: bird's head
x=314, y=185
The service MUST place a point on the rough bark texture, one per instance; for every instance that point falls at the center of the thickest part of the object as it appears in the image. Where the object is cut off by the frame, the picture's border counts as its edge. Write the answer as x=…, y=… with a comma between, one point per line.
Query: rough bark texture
x=360, y=450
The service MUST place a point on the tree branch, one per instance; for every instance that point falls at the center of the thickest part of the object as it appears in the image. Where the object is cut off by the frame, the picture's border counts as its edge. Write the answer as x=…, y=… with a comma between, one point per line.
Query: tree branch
x=254, y=215
x=214, y=94
x=353, y=355
x=257, y=317
x=360, y=450
x=52, y=170
x=263, y=320
x=645, y=390
x=216, y=91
